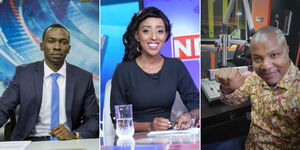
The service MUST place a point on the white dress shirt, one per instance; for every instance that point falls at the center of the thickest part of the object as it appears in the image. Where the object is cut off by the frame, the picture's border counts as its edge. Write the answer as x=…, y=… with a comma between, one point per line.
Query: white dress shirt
x=44, y=119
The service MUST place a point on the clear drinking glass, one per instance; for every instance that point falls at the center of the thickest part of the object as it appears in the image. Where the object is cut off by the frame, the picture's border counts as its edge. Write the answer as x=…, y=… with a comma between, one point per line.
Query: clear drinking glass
x=124, y=121
x=126, y=142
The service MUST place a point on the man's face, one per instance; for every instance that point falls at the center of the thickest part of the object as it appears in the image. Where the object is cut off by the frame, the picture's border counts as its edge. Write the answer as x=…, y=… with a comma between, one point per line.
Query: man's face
x=270, y=59
x=55, y=46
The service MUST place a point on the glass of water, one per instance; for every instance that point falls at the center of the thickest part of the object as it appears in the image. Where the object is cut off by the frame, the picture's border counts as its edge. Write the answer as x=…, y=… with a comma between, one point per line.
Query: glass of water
x=126, y=142
x=124, y=121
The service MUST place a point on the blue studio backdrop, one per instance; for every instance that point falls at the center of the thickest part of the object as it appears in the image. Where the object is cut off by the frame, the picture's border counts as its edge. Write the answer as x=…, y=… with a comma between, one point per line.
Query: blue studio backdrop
x=114, y=20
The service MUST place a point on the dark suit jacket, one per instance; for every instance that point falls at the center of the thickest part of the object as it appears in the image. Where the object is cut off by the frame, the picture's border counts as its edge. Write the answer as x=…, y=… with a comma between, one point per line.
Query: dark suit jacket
x=25, y=89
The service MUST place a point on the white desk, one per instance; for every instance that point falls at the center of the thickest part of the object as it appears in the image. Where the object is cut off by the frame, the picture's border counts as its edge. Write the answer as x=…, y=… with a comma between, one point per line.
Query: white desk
x=142, y=141
x=82, y=144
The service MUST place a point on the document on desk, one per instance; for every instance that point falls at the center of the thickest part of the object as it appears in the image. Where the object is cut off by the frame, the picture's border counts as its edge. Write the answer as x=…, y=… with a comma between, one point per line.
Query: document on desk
x=14, y=145
x=174, y=132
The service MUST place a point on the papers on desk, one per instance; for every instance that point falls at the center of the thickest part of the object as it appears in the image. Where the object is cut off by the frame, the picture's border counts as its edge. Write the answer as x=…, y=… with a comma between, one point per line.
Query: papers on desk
x=174, y=132
x=14, y=145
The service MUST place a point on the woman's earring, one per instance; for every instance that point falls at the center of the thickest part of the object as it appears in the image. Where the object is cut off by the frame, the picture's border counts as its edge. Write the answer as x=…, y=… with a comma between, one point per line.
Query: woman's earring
x=137, y=48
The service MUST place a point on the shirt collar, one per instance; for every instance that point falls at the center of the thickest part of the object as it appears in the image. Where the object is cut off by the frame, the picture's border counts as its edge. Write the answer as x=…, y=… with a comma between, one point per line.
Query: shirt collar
x=289, y=77
x=62, y=71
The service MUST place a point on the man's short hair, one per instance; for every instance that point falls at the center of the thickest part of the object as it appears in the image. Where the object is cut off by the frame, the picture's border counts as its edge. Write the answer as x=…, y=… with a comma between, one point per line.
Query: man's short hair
x=54, y=26
x=260, y=35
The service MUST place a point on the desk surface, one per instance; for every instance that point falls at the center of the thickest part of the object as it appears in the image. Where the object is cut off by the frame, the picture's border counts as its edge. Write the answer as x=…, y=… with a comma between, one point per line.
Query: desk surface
x=210, y=110
x=142, y=141
x=221, y=122
x=82, y=144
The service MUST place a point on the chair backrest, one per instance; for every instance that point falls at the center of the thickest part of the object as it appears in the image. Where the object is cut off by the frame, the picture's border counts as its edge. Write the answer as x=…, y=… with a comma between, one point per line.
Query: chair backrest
x=178, y=107
x=108, y=127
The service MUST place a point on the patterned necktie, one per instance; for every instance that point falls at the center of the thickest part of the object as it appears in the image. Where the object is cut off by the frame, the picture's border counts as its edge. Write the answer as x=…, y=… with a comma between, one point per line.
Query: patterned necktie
x=54, y=103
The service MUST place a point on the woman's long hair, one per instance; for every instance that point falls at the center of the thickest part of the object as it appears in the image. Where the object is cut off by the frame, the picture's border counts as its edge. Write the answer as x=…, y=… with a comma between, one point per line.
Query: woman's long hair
x=131, y=44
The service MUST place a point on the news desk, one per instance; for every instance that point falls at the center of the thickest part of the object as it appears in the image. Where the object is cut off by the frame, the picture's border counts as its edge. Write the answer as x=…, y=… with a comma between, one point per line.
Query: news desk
x=220, y=122
x=81, y=144
x=141, y=141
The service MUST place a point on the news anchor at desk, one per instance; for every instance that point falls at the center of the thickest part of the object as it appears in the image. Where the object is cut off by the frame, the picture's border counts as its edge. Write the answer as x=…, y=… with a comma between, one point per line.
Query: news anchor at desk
x=148, y=80
x=57, y=99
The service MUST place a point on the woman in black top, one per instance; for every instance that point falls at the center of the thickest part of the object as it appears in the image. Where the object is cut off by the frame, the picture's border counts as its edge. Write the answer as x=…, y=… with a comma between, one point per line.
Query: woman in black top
x=148, y=80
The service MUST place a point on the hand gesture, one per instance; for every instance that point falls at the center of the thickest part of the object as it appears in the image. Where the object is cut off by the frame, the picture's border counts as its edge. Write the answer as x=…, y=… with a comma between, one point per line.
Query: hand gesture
x=231, y=79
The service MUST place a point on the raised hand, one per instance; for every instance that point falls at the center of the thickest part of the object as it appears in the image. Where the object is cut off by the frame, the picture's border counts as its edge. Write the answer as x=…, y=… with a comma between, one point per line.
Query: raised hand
x=230, y=79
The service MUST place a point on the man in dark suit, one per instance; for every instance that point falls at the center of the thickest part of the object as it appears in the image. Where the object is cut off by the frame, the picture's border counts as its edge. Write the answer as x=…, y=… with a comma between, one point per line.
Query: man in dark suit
x=33, y=86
